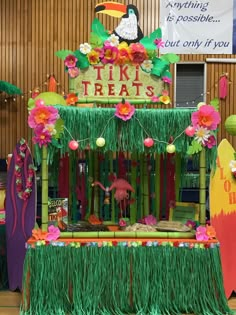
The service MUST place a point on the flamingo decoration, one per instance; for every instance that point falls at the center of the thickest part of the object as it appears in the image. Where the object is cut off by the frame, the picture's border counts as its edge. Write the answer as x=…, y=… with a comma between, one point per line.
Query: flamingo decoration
x=122, y=187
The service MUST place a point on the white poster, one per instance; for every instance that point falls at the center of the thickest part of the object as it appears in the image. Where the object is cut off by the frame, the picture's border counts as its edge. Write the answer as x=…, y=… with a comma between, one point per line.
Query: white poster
x=197, y=26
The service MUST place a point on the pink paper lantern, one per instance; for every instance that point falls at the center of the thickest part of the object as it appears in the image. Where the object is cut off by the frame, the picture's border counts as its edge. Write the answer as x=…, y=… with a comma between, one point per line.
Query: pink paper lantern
x=190, y=131
x=73, y=145
x=148, y=142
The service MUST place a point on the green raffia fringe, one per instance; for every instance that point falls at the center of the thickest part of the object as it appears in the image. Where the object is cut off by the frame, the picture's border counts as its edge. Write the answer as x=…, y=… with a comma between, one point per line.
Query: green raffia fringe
x=119, y=280
x=91, y=123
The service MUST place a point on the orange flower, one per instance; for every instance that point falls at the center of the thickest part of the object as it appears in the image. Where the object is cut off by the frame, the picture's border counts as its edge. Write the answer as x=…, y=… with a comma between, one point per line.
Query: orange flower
x=39, y=234
x=71, y=99
x=210, y=231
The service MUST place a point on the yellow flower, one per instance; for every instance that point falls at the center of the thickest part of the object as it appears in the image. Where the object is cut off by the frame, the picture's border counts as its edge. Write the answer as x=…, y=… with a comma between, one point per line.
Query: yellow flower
x=165, y=99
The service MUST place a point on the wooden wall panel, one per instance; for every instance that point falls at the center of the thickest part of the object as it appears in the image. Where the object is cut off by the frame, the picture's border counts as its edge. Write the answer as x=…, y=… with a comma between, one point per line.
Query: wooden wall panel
x=31, y=31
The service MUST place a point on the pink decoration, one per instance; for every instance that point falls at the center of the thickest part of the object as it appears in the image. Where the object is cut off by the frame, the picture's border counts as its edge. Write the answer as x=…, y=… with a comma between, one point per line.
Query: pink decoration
x=124, y=110
x=190, y=131
x=42, y=114
x=206, y=117
x=201, y=233
x=41, y=136
x=211, y=142
x=110, y=54
x=73, y=72
x=150, y=220
x=73, y=145
x=53, y=233
x=40, y=102
x=223, y=86
x=148, y=142
x=155, y=99
x=70, y=61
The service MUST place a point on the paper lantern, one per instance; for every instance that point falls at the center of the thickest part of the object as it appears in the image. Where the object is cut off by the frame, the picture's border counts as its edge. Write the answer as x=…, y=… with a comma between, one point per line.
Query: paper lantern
x=230, y=125
x=100, y=142
x=190, y=131
x=170, y=148
x=148, y=142
x=73, y=145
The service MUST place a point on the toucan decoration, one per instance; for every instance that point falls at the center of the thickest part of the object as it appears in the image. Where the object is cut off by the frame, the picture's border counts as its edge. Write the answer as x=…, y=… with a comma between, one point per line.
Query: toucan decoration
x=128, y=29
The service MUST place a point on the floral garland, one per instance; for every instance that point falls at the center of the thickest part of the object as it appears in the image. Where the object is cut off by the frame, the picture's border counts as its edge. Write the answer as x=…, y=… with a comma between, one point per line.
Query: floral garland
x=107, y=49
x=23, y=194
x=178, y=244
x=205, y=122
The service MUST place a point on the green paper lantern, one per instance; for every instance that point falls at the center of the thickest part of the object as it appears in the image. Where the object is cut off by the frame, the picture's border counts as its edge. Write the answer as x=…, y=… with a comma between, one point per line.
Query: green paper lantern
x=230, y=125
x=51, y=98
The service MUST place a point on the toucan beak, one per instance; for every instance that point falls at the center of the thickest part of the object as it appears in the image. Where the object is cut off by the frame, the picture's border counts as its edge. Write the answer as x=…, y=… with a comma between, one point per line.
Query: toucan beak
x=111, y=8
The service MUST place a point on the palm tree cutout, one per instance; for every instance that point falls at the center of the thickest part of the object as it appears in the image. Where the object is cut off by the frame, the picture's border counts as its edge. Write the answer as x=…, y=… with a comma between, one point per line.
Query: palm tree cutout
x=9, y=88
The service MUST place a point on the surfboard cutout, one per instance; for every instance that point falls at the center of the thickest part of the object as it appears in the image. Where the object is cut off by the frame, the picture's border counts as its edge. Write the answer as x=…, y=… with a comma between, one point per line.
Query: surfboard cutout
x=223, y=212
x=20, y=216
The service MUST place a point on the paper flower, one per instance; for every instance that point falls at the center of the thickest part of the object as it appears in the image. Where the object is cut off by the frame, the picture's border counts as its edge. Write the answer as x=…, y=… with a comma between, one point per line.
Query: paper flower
x=164, y=98
x=113, y=40
x=71, y=99
x=94, y=56
x=85, y=48
x=122, y=223
x=210, y=231
x=124, y=110
x=211, y=142
x=232, y=166
x=206, y=117
x=155, y=99
x=147, y=66
x=159, y=42
x=202, y=135
x=42, y=114
x=167, y=80
x=42, y=136
x=38, y=234
x=73, y=72
x=191, y=224
x=137, y=53
x=70, y=61
x=124, y=51
x=201, y=233
x=53, y=233
x=110, y=54
x=150, y=220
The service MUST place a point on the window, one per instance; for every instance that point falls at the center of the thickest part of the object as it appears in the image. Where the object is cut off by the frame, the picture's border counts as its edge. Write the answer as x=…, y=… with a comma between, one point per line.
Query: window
x=189, y=84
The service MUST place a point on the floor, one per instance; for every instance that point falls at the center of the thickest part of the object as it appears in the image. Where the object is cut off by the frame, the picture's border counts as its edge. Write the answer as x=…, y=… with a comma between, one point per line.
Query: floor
x=10, y=301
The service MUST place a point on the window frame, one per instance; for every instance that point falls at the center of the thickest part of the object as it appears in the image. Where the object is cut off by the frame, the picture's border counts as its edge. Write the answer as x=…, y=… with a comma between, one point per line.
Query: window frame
x=204, y=82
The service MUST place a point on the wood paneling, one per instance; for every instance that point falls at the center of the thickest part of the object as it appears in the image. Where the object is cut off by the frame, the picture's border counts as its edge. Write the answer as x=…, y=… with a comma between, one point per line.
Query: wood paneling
x=31, y=31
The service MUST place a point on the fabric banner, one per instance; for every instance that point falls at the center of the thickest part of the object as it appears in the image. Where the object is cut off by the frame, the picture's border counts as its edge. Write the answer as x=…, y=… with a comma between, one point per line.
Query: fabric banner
x=197, y=26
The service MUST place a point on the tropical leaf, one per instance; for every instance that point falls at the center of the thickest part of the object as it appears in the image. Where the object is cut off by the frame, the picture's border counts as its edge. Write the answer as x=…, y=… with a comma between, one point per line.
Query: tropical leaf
x=31, y=103
x=99, y=29
x=9, y=88
x=62, y=54
x=82, y=62
x=56, y=144
x=148, y=41
x=59, y=126
x=194, y=148
x=171, y=58
x=95, y=40
x=159, y=67
x=215, y=103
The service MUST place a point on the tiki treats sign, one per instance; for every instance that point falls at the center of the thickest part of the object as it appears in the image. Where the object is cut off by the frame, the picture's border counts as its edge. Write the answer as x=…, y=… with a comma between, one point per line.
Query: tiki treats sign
x=117, y=81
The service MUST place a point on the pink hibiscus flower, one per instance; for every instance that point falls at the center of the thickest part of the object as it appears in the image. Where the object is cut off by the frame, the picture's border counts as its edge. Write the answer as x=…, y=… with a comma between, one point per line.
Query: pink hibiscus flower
x=42, y=114
x=42, y=136
x=206, y=117
x=211, y=142
x=53, y=233
x=201, y=233
x=137, y=53
x=124, y=110
x=110, y=54
x=70, y=61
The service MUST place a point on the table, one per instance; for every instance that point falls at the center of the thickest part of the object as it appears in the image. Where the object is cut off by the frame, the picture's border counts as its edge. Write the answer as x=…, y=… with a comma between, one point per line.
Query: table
x=140, y=276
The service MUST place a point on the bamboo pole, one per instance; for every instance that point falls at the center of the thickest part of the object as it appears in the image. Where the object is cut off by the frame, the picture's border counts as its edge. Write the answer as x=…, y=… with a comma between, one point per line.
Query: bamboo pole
x=109, y=100
x=44, y=189
x=202, y=186
x=112, y=199
x=145, y=185
x=133, y=206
